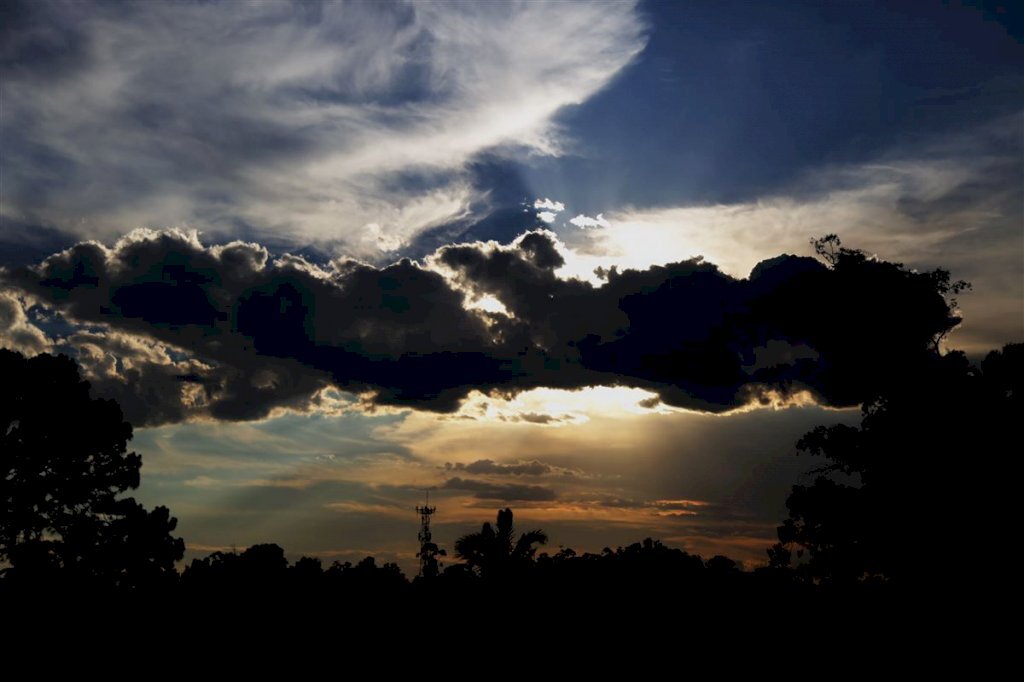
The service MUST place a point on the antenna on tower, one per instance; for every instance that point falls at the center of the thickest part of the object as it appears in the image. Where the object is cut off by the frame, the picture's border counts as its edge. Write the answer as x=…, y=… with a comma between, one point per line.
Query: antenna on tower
x=429, y=551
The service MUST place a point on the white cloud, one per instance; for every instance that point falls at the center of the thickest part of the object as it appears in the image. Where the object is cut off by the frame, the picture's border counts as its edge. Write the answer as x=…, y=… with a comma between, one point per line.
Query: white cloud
x=550, y=205
x=584, y=221
x=299, y=121
x=551, y=209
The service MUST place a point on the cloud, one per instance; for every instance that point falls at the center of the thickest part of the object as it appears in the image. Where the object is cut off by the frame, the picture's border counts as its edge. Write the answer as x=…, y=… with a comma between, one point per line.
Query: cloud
x=953, y=201
x=264, y=330
x=16, y=330
x=551, y=209
x=540, y=418
x=508, y=492
x=663, y=508
x=177, y=329
x=301, y=122
x=519, y=468
x=584, y=221
x=550, y=205
x=151, y=382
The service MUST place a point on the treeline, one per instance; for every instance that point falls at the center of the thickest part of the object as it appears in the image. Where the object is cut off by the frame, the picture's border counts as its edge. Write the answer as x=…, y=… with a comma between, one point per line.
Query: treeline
x=639, y=574
x=265, y=568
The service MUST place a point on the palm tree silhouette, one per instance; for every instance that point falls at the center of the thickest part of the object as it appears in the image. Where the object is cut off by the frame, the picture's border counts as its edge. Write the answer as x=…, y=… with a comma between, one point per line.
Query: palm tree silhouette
x=494, y=552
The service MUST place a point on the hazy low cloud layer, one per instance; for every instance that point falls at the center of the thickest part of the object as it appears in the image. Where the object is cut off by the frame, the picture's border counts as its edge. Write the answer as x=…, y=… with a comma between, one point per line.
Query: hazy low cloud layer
x=510, y=492
x=175, y=329
x=336, y=123
x=521, y=468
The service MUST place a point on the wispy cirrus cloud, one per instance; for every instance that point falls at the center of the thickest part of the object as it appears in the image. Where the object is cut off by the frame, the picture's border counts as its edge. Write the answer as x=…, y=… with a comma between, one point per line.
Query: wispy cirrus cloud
x=344, y=123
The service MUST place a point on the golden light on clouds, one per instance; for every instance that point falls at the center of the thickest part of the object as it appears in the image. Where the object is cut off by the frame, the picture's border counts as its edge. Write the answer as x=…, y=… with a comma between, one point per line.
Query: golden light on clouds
x=555, y=407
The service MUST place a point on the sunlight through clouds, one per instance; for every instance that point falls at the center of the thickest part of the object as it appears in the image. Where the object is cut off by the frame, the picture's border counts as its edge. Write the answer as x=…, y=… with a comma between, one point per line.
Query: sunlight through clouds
x=546, y=255
x=946, y=202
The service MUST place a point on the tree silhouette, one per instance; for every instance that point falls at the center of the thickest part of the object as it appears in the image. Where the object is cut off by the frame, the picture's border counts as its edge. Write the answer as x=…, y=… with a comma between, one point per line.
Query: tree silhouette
x=64, y=465
x=497, y=551
x=939, y=283
x=914, y=476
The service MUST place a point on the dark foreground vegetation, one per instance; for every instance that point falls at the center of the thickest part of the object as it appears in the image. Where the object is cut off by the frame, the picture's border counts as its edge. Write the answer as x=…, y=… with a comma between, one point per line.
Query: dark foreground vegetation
x=912, y=504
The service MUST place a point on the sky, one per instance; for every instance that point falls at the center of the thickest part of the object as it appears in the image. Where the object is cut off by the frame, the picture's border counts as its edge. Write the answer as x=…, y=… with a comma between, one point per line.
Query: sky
x=330, y=255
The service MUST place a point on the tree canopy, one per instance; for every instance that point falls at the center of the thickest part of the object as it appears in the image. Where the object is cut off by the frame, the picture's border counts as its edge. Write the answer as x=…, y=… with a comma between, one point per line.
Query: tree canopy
x=65, y=465
x=914, y=478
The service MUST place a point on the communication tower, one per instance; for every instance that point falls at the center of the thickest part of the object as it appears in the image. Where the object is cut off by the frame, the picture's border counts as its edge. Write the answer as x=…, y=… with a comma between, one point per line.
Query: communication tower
x=429, y=566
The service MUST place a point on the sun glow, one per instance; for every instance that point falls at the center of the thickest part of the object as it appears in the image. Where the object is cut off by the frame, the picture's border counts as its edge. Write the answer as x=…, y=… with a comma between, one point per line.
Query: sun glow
x=558, y=407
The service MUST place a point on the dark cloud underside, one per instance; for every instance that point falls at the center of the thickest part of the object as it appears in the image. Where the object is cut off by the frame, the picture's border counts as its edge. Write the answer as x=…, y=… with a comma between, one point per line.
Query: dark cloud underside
x=265, y=333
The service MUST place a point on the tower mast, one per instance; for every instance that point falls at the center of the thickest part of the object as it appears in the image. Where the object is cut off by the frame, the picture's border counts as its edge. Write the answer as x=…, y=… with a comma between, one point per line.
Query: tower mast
x=428, y=550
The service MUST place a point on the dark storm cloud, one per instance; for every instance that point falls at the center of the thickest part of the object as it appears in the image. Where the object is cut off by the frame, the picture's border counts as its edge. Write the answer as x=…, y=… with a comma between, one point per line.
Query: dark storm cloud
x=273, y=332
x=260, y=333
